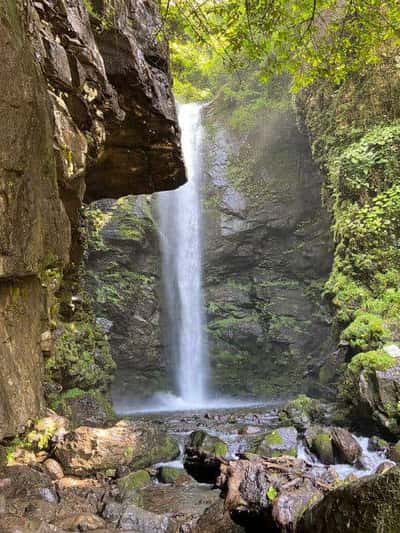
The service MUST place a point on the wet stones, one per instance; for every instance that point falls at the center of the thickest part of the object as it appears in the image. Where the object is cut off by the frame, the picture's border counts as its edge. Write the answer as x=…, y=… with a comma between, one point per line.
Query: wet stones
x=281, y=441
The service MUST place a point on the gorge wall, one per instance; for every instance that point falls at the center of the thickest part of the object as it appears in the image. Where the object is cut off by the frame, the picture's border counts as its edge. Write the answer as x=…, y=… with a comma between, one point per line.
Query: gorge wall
x=268, y=253
x=87, y=112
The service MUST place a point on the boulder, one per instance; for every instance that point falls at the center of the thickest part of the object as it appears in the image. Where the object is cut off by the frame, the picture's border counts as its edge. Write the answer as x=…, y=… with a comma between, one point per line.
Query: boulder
x=203, y=456
x=333, y=445
x=374, y=399
x=27, y=483
x=376, y=444
x=170, y=474
x=91, y=409
x=394, y=452
x=301, y=412
x=281, y=441
x=271, y=494
x=371, y=504
x=345, y=446
x=87, y=450
x=130, y=484
x=384, y=467
x=133, y=518
x=82, y=522
x=319, y=442
x=216, y=519
x=53, y=469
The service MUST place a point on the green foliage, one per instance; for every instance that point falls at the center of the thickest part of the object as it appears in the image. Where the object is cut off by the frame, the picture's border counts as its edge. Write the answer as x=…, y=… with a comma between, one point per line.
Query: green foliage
x=367, y=332
x=272, y=493
x=309, y=40
x=369, y=166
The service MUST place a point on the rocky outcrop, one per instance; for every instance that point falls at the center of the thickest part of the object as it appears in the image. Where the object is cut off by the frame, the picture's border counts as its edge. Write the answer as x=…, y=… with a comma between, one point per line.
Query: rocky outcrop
x=77, y=88
x=268, y=253
x=123, y=273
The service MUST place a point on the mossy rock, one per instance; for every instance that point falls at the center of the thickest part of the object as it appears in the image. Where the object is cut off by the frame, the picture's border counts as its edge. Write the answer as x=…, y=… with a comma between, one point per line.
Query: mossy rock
x=170, y=474
x=394, y=453
x=134, y=481
x=301, y=411
x=281, y=441
x=319, y=442
x=208, y=444
x=371, y=504
x=81, y=357
x=158, y=447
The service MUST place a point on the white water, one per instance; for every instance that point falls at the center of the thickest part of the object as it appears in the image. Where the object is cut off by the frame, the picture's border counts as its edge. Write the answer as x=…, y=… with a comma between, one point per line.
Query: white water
x=181, y=247
x=367, y=464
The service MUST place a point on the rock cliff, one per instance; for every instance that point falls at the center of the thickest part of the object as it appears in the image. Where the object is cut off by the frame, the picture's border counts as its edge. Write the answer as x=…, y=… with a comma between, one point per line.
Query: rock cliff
x=268, y=253
x=87, y=112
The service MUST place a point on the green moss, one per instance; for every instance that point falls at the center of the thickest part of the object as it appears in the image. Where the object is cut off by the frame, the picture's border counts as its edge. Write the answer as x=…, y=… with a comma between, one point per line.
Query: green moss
x=374, y=360
x=81, y=357
x=367, y=332
x=273, y=438
x=220, y=449
x=134, y=481
x=61, y=403
x=363, y=362
x=164, y=448
x=170, y=474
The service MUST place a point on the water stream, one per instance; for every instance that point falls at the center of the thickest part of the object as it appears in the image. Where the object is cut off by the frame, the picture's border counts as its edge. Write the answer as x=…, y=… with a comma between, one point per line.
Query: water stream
x=181, y=247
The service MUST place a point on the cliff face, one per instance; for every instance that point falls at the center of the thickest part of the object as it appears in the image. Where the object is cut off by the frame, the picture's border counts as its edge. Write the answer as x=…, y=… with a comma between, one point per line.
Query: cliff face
x=76, y=92
x=268, y=254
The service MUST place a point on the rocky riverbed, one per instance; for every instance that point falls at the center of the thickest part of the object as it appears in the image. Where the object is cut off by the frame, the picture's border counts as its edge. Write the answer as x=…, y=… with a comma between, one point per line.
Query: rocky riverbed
x=227, y=470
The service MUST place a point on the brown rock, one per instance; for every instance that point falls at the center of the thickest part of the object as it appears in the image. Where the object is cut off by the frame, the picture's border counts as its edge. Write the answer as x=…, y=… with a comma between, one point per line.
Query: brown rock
x=82, y=522
x=88, y=450
x=345, y=446
x=53, y=468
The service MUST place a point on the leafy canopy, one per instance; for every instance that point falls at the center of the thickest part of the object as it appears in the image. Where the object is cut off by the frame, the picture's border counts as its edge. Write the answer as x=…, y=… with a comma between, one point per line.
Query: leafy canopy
x=308, y=39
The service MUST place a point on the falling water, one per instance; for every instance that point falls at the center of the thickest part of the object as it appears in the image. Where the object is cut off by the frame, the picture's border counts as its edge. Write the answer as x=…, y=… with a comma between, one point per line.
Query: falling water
x=181, y=246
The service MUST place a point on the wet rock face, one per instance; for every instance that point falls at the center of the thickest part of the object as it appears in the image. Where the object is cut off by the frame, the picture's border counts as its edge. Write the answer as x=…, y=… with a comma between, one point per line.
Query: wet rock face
x=268, y=252
x=77, y=90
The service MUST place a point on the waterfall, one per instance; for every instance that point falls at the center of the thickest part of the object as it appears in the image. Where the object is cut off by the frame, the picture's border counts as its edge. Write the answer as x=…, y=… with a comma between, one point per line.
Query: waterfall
x=181, y=247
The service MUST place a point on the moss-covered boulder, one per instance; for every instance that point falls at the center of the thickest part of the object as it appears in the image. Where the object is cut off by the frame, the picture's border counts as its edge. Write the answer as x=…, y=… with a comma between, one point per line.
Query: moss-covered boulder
x=371, y=390
x=171, y=475
x=301, y=412
x=319, y=442
x=155, y=446
x=130, y=484
x=281, y=441
x=371, y=504
x=203, y=456
x=394, y=452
